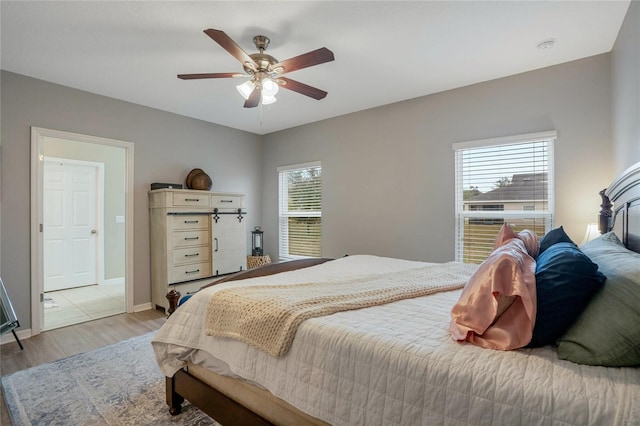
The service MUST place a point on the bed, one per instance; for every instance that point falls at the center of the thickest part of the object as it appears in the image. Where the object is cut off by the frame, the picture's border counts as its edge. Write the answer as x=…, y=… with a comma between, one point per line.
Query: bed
x=394, y=363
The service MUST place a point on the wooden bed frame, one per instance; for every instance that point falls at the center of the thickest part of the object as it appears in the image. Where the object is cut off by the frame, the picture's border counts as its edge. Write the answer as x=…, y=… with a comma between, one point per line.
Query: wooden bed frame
x=623, y=216
x=620, y=212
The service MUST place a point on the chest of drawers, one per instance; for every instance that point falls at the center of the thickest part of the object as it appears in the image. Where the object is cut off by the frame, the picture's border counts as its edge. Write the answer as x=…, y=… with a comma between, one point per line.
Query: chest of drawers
x=195, y=236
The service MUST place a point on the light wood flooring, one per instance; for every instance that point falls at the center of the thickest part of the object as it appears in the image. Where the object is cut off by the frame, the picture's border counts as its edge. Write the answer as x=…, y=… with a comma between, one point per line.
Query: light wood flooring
x=63, y=342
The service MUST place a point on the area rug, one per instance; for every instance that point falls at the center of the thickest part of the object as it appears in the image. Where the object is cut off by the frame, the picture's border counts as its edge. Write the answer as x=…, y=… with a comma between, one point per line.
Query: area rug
x=119, y=384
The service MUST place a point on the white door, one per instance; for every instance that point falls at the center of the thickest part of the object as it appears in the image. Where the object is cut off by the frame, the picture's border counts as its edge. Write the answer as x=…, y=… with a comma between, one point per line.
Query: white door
x=69, y=225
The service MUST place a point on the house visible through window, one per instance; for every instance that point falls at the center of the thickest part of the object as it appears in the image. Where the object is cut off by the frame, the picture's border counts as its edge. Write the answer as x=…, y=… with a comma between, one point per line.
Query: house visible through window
x=300, y=201
x=505, y=180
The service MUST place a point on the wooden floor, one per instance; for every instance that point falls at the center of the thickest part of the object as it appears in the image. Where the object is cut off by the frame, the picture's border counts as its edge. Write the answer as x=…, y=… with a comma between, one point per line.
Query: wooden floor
x=63, y=342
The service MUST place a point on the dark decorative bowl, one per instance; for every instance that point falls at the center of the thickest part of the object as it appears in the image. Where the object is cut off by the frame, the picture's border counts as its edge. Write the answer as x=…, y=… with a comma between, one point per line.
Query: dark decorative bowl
x=190, y=176
x=201, y=181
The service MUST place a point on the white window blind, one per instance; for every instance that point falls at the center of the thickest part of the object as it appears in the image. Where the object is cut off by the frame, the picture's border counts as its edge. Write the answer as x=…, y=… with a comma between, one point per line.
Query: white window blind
x=300, y=201
x=505, y=180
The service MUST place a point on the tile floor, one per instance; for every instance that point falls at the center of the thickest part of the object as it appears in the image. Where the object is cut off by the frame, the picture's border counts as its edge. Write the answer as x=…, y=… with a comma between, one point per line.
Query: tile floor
x=76, y=305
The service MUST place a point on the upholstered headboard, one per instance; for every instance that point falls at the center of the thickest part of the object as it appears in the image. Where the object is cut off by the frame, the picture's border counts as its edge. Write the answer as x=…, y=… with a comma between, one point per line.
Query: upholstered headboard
x=621, y=208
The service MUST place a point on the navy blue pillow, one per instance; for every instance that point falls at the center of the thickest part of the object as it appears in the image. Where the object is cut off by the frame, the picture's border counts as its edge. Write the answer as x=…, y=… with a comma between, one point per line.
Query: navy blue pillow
x=566, y=279
x=184, y=299
x=553, y=237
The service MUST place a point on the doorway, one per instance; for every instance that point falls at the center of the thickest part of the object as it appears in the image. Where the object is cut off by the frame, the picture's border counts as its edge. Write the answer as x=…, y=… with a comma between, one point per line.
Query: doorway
x=72, y=202
x=82, y=239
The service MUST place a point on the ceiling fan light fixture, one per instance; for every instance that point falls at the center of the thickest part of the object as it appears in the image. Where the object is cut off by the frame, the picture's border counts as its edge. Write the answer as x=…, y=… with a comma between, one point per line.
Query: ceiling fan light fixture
x=245, y=89
x=269, y=87
x=267, y=100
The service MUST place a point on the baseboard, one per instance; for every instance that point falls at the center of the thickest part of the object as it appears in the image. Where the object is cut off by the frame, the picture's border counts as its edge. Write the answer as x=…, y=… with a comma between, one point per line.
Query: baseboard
x=114, y=281
x=143, y=307
x=22, y=335
x=26, y=333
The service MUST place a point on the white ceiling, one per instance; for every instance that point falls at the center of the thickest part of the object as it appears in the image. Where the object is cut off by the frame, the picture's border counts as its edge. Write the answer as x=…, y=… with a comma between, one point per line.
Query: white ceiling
x=385, y=51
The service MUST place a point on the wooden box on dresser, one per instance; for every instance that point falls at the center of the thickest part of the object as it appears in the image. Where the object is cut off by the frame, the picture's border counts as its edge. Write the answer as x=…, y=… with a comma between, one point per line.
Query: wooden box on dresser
x=195, y=235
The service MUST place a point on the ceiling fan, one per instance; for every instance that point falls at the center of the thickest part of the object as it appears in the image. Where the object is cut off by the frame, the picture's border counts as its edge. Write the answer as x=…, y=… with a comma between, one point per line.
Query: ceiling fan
x=265, y=71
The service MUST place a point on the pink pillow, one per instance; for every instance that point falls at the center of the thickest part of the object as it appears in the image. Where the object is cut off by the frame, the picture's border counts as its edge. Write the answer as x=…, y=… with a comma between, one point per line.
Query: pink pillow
x=504, y=235
x=497, y=307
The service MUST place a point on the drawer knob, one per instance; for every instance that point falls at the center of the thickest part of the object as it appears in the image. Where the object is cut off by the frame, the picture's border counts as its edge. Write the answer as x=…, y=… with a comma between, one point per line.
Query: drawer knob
x=191, y=221
x=192, y=272
x=192, y=255
x=191, y=238
x=192, y=199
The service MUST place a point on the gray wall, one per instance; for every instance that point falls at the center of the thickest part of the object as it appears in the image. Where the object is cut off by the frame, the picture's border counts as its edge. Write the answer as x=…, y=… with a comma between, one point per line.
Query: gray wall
x=625, y=90
x=166, y=147
x=388, y=172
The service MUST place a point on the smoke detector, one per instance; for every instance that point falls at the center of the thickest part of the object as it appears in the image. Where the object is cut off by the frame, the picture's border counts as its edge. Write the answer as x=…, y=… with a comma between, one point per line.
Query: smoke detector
x=547, y=44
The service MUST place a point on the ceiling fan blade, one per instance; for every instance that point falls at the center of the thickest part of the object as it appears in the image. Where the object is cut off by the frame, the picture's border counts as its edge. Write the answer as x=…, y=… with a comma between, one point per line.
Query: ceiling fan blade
x=302, y=88
x=230, y=46
x=210, y=75
x=309, y=59
x=254, y=98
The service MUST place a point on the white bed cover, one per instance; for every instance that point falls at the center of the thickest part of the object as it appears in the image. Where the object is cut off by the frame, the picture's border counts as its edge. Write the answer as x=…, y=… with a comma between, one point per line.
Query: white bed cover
x=396, y=364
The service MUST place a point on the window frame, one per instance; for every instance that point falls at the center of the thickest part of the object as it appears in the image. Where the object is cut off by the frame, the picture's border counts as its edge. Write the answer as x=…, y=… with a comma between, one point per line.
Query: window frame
x=283, y=246
x=460, y=214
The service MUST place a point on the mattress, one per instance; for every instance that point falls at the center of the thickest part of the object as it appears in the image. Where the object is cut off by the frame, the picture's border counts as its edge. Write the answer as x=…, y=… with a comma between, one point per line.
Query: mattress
x=396, y=364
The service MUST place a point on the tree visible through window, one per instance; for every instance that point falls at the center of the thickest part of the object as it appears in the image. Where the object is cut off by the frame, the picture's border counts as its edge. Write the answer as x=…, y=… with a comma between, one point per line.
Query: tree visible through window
x=300, y=201
x=506, y=180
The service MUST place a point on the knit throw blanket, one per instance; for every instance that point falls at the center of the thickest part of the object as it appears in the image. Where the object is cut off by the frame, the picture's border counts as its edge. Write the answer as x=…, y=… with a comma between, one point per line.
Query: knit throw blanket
x=268, y=316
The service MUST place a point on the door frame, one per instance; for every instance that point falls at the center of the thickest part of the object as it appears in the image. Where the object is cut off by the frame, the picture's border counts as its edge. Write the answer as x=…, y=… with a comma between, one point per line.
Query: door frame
x=99, y=205
x=38, y=136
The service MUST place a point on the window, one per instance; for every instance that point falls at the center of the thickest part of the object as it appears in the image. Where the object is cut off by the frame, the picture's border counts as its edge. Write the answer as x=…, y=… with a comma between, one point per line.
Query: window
x=300, y=201
x=505, y=180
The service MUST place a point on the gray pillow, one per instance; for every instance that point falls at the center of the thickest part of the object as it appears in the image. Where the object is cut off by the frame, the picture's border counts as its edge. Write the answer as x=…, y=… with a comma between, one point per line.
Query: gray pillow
x=607, y=332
